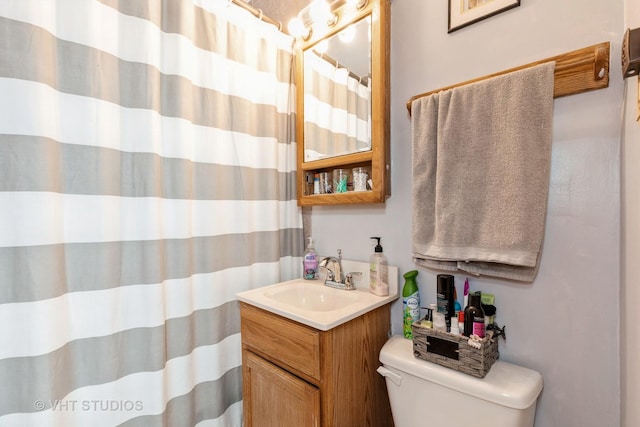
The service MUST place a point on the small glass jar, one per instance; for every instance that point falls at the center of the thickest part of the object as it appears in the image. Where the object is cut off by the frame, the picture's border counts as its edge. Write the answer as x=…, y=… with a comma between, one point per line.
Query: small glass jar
x=360, y=176
x=309, y=183
x=340, y=180
x=316, y=184
x=325, y=183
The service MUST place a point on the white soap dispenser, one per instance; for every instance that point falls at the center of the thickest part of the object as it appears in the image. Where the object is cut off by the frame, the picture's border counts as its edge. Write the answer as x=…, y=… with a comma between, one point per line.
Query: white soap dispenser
x=378, y=272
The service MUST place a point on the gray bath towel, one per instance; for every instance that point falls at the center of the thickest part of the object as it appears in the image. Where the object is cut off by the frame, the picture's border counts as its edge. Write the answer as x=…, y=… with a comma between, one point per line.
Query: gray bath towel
x=481, y=162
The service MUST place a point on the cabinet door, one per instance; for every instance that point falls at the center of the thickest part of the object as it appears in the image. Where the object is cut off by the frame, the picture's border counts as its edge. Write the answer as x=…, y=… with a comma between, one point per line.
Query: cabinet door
x=274, y=397
x=290, y=345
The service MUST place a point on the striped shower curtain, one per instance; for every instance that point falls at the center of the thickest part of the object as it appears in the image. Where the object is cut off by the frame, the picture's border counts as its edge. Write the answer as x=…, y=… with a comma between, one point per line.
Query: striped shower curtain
x=147, y=175
x=337, y=109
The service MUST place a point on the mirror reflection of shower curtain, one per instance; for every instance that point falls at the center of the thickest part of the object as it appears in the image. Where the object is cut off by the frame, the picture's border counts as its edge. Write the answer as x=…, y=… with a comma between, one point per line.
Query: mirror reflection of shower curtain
x=147, y=175
x=337, y=110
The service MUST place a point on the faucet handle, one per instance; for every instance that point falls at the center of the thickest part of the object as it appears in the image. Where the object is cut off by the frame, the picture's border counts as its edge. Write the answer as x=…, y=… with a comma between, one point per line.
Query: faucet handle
x=348, y=280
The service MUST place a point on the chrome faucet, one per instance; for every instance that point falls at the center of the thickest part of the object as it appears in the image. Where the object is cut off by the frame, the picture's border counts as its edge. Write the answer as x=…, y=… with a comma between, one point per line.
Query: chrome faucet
x=335, y=277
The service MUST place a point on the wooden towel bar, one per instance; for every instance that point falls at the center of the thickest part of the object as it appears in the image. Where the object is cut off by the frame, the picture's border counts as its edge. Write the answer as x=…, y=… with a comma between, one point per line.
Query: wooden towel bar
x=579, y=71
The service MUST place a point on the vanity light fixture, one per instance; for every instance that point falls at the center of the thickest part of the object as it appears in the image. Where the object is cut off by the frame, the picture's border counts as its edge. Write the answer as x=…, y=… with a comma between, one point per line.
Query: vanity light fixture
x=297, y=29
x=333, y=20
x=359, y=4
x=321, y=13
x=318, y=13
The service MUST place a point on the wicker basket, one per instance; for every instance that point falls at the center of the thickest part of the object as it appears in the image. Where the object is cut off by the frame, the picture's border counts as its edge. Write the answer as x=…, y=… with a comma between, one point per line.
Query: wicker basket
x=453, y=351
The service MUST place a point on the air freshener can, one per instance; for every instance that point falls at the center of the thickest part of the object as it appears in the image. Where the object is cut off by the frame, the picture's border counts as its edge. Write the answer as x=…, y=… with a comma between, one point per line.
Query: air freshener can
x=411, y=302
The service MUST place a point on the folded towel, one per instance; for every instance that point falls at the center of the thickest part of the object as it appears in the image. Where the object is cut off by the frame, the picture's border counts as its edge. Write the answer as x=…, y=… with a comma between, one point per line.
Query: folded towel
x=481, y=162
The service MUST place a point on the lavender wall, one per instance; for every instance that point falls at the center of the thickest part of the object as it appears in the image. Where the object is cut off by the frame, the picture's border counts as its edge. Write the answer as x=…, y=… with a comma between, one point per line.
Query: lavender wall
x=566, y=323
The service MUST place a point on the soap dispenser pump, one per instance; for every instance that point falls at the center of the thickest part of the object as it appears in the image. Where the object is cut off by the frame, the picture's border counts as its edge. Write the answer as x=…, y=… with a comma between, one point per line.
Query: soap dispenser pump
x=378, y=272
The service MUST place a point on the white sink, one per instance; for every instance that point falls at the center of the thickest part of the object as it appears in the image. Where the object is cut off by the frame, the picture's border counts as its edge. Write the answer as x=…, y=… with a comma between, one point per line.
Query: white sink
x=312, y=303
x=309, y=296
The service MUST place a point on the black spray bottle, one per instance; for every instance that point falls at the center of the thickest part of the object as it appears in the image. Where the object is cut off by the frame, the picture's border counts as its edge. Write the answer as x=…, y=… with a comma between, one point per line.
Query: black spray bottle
x=474, y=316
x=445, y=297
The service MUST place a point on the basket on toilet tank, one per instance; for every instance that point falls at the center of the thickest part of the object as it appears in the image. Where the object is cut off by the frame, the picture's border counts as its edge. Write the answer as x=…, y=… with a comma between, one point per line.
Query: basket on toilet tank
x=453, y=351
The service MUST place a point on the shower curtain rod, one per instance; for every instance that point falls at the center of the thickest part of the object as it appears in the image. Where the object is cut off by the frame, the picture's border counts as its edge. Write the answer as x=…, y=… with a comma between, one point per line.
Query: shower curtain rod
x=257, y=13
x=336, y=64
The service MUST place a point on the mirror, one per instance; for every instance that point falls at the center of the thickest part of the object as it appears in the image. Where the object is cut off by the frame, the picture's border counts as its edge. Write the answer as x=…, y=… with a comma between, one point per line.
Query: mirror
x=337, y=93
x=344, y=135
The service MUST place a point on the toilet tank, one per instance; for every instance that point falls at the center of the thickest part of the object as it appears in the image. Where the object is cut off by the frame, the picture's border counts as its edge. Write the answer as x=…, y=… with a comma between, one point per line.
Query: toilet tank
x=424, y=393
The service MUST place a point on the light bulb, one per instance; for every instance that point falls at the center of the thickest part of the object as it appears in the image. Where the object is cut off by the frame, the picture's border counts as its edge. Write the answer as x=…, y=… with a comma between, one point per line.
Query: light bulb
x=347, y=34
x=320, y=11
x=296, y=27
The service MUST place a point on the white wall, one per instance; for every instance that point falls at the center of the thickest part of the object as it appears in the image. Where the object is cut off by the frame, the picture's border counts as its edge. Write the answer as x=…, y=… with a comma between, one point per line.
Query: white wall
x=566, y=323
x=630, y=292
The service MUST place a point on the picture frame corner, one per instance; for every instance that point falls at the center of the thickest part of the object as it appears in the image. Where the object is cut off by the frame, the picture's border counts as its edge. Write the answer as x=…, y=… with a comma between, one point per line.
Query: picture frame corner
x=486, y=9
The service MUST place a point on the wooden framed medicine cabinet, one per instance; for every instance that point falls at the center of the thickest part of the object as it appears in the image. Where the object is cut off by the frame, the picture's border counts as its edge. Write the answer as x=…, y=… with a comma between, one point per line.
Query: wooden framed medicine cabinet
x=364, y=64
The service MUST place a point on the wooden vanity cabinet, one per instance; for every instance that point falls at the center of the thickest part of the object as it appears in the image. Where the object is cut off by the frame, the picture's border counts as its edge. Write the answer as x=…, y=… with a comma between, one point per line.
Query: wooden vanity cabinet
x=295, y=375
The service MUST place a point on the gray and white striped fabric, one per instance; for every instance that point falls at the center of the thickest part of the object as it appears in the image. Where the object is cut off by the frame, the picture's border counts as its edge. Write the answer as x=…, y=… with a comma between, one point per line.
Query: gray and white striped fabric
x=337, y=110
x=147, y=175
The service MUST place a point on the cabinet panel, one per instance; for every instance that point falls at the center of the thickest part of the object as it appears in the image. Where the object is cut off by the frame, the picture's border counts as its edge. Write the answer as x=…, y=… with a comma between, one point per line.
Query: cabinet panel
x=286, y=343
x=273, y=395
x=278, y=351
x=354, y=394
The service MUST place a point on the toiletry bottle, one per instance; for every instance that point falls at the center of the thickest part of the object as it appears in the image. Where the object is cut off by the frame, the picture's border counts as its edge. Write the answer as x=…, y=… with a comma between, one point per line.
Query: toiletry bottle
x=427, y=322
x=411, y=302
x=489, y=308
x=455, y=328
x=445, y=295
x=378, y=272
x=310, y=261
x=474, y=316
x=434, y=308
x=439, y=324
x=465, y=297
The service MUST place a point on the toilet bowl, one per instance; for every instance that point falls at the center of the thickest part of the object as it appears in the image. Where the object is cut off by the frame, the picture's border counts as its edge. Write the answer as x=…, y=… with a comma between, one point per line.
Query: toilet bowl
x=424, y=393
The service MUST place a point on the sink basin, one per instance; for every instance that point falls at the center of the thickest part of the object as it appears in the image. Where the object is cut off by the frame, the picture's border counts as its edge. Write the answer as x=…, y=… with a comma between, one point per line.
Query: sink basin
x=312, y=303
x=310, y=296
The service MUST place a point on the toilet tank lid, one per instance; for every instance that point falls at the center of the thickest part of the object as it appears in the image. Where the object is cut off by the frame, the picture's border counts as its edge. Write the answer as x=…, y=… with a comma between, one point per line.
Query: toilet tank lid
x=505, y=384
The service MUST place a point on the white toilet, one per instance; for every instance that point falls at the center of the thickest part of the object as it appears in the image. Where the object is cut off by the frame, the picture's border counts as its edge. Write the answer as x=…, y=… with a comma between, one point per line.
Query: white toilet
x=426, y=394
